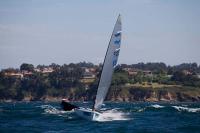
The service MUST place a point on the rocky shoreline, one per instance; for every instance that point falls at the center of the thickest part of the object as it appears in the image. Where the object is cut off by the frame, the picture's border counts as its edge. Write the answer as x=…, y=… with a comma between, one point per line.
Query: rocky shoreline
x=129, y=94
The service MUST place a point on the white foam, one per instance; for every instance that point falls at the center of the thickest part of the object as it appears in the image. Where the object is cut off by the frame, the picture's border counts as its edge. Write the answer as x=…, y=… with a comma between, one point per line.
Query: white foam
x=157, y=106
x=113, y=115
x=184, y=105
x=103, y=109
x=48, y=109
x=103, y=104
x=141, y=110
x=106, y=115
x=180, y=108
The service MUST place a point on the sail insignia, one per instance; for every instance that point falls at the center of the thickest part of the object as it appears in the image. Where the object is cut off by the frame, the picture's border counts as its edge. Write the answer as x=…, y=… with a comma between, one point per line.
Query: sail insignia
x=118, y=34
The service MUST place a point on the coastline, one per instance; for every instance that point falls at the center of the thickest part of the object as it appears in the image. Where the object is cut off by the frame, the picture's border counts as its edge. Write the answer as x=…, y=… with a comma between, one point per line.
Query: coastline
x=128, y=94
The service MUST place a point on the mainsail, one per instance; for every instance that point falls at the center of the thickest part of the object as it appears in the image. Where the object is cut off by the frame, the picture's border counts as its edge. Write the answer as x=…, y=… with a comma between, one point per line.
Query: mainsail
x=110, y=62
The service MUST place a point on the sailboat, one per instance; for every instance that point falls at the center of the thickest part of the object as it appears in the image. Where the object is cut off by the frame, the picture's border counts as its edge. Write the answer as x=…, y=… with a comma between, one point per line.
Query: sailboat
x=110, y=62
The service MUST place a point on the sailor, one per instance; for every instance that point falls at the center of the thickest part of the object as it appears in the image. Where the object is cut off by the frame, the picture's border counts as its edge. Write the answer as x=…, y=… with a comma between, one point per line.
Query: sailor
x=67, y=106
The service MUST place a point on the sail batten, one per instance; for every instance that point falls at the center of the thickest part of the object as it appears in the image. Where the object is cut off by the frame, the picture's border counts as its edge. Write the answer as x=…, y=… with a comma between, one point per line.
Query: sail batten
x=110, y=63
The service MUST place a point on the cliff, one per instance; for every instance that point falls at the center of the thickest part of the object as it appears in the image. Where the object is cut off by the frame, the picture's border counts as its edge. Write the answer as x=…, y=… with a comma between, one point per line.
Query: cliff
x=131, y=93
x=150, y=93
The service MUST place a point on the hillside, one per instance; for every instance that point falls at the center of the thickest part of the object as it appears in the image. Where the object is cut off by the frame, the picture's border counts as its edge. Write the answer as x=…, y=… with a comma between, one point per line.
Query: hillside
x=78, y=82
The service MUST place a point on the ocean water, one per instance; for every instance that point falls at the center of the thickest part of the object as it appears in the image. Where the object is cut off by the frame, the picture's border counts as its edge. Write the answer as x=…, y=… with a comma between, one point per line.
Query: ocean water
x=137, y=117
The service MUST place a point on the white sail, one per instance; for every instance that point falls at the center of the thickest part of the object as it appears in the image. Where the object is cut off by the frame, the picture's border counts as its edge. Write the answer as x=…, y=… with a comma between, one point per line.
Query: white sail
x=110, y=62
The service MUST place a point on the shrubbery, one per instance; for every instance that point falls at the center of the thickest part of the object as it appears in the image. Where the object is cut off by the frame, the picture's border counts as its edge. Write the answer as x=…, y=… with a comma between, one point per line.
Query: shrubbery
x=65, y=79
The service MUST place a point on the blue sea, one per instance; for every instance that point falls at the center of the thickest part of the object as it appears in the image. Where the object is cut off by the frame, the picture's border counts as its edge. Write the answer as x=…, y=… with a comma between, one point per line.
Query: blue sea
x=134, y=117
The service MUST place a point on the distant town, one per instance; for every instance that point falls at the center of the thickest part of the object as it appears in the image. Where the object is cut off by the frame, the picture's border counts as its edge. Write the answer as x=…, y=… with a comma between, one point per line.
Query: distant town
x=79, y=81
x=90, y=71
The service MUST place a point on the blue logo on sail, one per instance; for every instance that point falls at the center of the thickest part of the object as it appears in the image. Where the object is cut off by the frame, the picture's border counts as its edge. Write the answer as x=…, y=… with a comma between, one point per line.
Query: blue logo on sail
x=114, y=63
x=116, y=53
x=117, y=34
x=117, y=42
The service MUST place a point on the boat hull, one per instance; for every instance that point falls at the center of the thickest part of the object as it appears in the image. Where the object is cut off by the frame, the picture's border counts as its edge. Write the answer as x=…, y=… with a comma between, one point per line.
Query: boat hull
x=88, y=114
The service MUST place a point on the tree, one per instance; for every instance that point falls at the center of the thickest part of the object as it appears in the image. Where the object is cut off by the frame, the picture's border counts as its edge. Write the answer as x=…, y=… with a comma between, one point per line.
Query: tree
x=27, y=67
x=178, y=76
x=120, y=78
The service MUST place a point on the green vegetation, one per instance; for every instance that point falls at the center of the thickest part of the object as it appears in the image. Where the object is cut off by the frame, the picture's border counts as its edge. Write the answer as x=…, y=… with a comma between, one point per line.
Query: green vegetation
x=27, y=67
x=151, y=81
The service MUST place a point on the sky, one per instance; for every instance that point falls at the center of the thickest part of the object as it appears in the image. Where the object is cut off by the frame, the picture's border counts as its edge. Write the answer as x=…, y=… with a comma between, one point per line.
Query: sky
x=65, y=31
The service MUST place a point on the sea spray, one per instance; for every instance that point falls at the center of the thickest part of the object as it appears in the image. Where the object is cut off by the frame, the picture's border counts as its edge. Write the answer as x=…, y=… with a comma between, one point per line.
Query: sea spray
x=114, y=115
x=48, y=109
x=186, y=109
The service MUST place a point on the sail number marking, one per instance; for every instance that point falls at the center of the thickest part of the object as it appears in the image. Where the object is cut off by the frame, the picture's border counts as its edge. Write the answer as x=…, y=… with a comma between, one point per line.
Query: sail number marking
x=117, y=42
x=116, y=52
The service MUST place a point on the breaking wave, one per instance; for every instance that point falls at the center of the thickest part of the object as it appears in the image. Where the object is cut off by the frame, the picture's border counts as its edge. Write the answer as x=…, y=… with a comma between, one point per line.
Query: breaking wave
x=157, y=106
x=113, y=115
x=48, y=109
x=186, y=109
x=182, y=108
x=117, y=114
x=106, y=115
x=154, y=106
x=141, y=110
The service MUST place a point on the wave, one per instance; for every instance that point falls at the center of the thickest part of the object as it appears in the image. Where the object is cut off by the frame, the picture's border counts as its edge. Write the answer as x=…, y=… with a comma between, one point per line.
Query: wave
x=104, y=109
x=113, y=115
x=48, y=109
x=142, y=109
x=157, y=106
x=103, y=104
x=187, y=109
x=107, y=115
x=182, y=108
x=118, y=114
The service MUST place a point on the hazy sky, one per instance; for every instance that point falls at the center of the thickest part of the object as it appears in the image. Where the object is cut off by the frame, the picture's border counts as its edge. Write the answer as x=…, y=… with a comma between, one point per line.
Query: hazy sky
x=64, y=31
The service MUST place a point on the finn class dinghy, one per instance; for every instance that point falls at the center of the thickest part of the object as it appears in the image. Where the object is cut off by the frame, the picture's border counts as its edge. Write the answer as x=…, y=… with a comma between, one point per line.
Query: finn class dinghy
x=110, y=62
